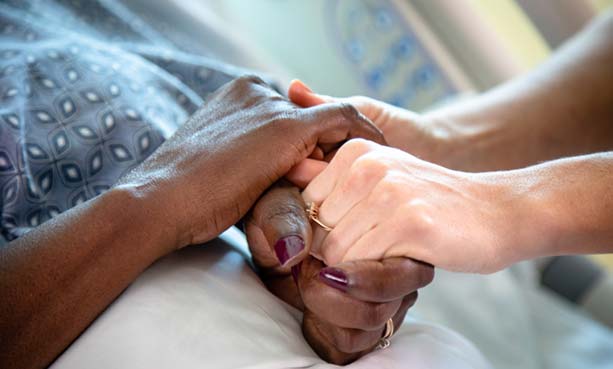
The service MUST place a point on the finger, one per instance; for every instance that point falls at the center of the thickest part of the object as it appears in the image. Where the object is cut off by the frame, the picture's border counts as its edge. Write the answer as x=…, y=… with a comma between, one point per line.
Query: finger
x=322, y=185
x=317, y=154
x=303, y=173
x=342, y=344
x=338, y=122
x=378, y=280
x=349, y=340
x=407, y=302
x=341, y=207
x=300, y=94
x=368, y=223
x=278, y=230
x=357, y=182
x=383, y=235
x=283, y=287
x=360, y=219
x=312, y=330
x=343, y=340
x=337, y=307
x=387, y=235
x=317, y=238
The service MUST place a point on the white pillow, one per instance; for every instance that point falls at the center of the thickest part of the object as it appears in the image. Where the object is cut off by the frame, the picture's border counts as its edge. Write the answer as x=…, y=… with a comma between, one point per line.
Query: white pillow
x=204, y=307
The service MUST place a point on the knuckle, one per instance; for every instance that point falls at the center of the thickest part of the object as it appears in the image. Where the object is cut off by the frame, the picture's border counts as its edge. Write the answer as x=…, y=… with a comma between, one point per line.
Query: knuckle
x=368, y=166
x=349, y=111
x=379, y=288
x=332, y=249
x=416, y=214
x=345, y=340
x=249, y=79
x=323, y=343
x=375, y=316
x=388, y=192
x=356, y=146
x=247, y=91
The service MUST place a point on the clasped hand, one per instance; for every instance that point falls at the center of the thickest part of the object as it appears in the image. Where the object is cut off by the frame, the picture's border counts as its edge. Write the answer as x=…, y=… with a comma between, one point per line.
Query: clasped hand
x=208, y=175
x=345, y=306
x=385, y=202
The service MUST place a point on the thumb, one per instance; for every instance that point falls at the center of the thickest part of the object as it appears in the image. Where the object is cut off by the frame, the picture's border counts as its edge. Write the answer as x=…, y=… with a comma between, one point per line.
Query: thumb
x=279, y=231
x=300, y=94
x=378, y=280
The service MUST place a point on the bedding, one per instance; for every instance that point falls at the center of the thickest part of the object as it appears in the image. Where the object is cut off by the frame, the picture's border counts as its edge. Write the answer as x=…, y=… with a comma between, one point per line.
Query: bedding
x=204, y=307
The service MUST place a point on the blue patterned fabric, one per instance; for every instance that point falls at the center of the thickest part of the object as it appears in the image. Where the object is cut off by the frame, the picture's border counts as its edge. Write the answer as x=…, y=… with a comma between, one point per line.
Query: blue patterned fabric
x=87, y=92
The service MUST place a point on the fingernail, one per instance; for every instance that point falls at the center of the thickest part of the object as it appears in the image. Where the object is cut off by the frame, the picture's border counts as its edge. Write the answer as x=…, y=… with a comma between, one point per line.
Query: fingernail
x=334, y=277
x=288, y=247
x=303, y=85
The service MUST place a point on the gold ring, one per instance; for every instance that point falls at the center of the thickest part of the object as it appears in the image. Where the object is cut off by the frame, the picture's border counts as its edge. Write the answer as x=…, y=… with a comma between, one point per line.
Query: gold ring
x=385, y=342
x=313, y=213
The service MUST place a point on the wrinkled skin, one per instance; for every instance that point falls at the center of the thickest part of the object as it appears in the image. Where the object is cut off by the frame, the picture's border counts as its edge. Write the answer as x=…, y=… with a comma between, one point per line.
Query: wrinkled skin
x=199, y=182
x=244, y=138
x=340, y=325
x=271, y=135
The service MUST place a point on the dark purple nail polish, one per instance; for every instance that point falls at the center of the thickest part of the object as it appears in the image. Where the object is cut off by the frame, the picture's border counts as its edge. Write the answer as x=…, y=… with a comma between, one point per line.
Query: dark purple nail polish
x=334, y=277
x=288, y=247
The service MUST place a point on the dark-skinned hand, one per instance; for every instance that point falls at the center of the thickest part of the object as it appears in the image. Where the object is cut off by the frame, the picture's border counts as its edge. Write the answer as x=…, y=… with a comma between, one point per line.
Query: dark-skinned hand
x=243, y=139
x=344, y=317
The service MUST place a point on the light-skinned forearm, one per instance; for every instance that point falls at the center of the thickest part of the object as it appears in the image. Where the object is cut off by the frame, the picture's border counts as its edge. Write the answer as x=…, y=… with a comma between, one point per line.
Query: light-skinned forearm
x=563, y=108
x=563, y=206
x=57, y=278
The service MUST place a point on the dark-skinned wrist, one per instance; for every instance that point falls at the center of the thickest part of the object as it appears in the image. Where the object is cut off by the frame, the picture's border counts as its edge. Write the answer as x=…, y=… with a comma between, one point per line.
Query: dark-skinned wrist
x=140, y=211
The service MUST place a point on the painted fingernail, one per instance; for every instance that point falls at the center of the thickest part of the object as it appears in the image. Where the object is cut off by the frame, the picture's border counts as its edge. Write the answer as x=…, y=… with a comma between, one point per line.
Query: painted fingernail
x=335, y=278
x=288, y=247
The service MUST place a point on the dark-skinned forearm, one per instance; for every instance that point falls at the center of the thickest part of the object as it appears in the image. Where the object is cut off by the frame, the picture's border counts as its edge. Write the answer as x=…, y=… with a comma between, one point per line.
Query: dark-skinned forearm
x=58, y=278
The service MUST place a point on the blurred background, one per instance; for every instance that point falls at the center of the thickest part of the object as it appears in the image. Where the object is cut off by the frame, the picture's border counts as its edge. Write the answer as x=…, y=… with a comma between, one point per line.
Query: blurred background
x=415, y=54
x=412, y=53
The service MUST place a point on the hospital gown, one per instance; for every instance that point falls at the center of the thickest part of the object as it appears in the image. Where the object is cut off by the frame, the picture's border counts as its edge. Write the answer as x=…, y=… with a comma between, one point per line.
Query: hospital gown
x=88, y=90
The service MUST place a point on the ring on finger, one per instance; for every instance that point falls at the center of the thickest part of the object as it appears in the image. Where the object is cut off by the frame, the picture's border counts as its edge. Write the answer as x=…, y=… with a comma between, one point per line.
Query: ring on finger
x=313, y=213
x=385, y=342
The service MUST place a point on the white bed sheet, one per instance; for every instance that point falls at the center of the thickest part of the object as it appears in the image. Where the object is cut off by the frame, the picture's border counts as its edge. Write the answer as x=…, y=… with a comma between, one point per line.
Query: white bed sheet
x=204, y=307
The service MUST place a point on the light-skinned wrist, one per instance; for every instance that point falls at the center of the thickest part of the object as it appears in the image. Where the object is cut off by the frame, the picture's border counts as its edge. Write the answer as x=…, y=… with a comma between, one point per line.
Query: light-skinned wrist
x=531, y=220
